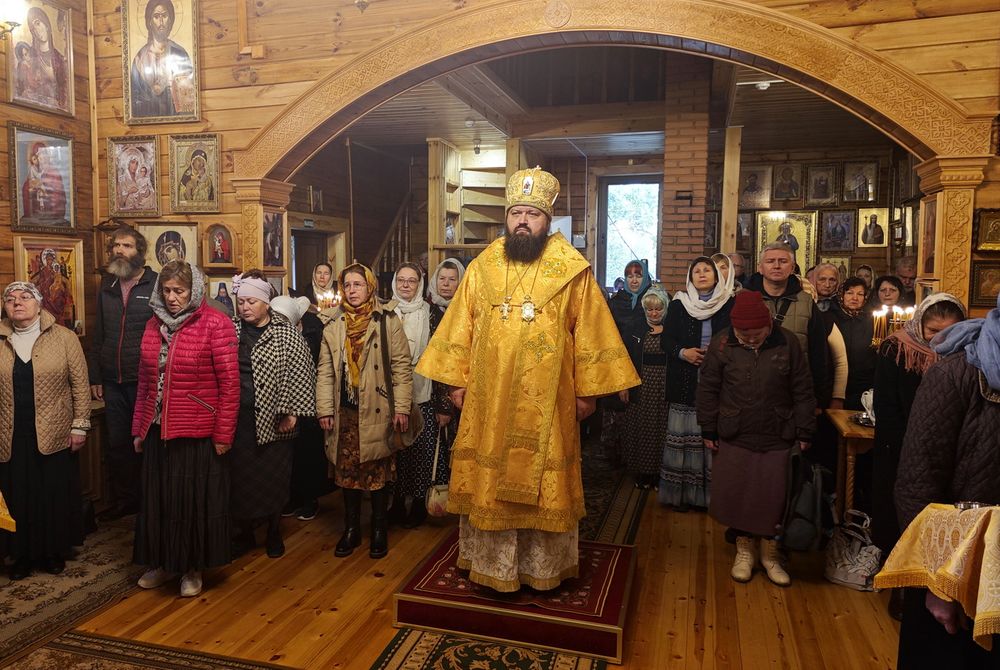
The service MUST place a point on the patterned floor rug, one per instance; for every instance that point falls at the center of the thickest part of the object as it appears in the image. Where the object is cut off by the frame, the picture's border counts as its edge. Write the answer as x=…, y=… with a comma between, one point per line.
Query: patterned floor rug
x=420, y=650
x=85, y=651
x=44, y=605
x=614, y=509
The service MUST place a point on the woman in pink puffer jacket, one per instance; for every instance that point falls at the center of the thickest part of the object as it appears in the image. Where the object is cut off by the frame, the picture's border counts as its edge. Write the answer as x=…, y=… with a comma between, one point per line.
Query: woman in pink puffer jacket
x=186, y=406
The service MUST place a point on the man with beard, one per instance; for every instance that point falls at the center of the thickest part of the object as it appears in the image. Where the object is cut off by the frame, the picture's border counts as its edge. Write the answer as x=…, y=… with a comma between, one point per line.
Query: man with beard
x=122, y=312
x=162, y=75
x=527, y=345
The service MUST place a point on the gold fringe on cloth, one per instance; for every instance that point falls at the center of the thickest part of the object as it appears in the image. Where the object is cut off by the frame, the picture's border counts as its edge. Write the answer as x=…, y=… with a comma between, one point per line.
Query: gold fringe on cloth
x=6, y=520
x=956, y=555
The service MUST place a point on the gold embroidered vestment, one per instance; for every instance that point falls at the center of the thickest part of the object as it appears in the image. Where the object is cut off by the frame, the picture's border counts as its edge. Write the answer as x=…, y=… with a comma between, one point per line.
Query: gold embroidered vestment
x=515, y=462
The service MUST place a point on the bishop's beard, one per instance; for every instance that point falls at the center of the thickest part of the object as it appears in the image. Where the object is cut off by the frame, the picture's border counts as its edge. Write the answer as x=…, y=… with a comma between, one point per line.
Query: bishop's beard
x=123, y=268
x=525, y=248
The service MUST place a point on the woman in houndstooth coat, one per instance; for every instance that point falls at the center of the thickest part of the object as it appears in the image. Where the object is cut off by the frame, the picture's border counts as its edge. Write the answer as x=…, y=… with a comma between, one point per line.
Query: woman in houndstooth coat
x=277, y=385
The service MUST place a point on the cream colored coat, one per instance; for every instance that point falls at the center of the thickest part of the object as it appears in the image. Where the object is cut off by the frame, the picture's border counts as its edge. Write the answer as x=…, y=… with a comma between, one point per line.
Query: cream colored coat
x=62, y=387
x=374, y=414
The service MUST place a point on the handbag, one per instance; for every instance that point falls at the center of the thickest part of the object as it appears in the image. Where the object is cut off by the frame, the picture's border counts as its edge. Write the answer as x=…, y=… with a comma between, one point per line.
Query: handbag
x=436, y=497
x=851, y=558
x=398, y=439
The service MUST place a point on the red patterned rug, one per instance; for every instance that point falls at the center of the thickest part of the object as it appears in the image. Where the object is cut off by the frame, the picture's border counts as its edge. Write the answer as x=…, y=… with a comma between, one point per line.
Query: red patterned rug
x=585, y=615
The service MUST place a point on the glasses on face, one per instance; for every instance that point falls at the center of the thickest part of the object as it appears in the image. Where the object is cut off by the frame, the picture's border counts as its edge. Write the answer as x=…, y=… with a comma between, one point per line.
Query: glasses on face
x=407, y=282
x=23, y=299
x=355, y=286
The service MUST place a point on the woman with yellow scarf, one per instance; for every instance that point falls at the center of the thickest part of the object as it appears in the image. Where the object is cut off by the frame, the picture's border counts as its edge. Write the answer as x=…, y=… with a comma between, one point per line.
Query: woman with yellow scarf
x=352, y=400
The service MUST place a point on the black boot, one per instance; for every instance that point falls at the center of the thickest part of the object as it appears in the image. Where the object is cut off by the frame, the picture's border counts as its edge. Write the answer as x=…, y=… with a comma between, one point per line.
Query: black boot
x=397, y=513
x=352, y=524
x=275, y=545
x=244, y=541
x=380, y=524
x=417, y=515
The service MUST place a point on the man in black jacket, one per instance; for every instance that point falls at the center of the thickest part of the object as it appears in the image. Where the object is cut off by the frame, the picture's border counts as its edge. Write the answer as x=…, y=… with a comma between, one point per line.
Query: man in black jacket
x=122, y=313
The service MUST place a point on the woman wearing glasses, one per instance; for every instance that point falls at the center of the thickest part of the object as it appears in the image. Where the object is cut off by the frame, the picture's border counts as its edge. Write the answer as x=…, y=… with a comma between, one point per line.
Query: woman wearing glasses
x=45, y=398
x=415, y=465
x=352, y=401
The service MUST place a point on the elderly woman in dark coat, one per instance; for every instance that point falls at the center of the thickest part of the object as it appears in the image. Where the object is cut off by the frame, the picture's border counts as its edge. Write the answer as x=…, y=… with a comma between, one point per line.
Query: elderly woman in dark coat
x=644, y=425
x=755, y=403
x=900, y=364
x=951, y=453
x=277, y=386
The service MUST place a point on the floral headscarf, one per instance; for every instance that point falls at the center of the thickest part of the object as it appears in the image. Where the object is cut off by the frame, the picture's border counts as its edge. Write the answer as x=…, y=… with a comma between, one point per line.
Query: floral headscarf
x=357, y=319
x=916, y=352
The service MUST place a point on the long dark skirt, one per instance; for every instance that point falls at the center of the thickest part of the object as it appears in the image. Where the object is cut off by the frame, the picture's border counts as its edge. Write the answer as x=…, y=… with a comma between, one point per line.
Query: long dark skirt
x=415, y=464
x=260, y=475
x=43, y=495
x=309, y=464
x=183, y=522
x=748, y=489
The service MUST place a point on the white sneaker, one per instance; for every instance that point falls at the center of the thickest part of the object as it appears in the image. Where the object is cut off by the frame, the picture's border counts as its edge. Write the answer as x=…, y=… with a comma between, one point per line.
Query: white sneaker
x=773, y=560
x=191, y=584
x=154, y=578
x=746, y=559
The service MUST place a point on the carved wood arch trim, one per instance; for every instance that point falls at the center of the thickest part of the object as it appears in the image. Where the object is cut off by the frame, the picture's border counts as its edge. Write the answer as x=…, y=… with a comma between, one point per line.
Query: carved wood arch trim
x=889, y=97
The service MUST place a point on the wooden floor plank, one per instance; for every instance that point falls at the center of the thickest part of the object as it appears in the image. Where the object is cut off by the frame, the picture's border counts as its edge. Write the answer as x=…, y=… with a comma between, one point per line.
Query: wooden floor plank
x=311, y=610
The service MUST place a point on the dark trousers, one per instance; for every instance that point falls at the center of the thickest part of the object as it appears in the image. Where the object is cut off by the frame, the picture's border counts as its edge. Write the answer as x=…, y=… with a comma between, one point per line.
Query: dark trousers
x=925, y=644
x=119, y=453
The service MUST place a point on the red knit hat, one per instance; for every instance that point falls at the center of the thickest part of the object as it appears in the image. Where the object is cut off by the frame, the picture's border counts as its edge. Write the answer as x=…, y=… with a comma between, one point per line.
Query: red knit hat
x=749, y=311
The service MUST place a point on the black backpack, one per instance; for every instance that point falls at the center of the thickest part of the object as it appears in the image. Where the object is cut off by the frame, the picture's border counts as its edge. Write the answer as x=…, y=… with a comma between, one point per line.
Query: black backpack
x=810, y=512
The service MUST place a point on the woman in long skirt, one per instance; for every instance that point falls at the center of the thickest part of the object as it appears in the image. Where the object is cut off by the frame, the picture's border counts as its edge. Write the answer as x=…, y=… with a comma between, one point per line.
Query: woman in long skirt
x=645, y=423
x=43, y=382
x=694, y=316
x=360, y=335
x=277, y=386
x=187, y=400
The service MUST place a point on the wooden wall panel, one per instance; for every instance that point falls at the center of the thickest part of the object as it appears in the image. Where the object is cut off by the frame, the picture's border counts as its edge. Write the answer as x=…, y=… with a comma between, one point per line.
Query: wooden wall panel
x=79, y=128
x=952, y=43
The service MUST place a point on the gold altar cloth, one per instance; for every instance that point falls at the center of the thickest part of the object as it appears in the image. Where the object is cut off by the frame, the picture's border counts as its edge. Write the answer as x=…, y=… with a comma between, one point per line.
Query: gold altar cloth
x=956, y=554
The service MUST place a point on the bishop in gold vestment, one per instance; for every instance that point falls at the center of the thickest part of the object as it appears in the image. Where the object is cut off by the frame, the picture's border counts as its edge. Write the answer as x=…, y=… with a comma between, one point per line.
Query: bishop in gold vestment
x=530, y=344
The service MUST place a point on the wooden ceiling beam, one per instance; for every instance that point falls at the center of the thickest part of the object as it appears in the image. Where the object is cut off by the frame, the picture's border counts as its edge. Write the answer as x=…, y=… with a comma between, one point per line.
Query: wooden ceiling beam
x=588, y=120
x=484, y=92
x=723, y=95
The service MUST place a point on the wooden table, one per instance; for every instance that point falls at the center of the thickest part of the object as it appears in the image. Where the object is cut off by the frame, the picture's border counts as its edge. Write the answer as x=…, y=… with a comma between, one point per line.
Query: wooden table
x=853, y=439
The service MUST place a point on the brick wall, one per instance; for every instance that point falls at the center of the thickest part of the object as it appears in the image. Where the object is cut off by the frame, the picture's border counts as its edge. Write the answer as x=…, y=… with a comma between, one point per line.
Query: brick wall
x=685, y=165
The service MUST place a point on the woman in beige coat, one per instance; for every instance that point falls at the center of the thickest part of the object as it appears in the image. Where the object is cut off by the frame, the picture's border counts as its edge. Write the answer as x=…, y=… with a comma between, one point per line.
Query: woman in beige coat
x=352, y=401
x=44, y=418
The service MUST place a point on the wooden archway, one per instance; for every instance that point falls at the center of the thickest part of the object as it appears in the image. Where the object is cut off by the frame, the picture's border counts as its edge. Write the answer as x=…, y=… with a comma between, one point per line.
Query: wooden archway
x=892, y=99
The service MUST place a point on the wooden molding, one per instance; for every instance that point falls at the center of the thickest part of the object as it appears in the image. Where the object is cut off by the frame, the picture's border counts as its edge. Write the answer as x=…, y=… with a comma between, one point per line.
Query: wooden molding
x=952, y=172
x=255, y=51
x=856, y=77
x=270, y=192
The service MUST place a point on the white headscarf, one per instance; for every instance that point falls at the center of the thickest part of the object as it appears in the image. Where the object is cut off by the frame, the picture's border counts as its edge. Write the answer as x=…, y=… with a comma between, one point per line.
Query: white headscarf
x=416, y=317
x=723, y=291
x=435, y=296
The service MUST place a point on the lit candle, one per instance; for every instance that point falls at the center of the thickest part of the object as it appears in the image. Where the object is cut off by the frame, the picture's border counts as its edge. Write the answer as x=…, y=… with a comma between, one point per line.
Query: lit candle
x=879, y=326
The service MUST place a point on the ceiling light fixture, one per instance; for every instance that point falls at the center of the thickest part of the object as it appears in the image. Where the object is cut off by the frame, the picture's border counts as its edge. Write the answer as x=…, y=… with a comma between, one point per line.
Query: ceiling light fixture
x=469, y=122
x=761, y=84
x=476, y=148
